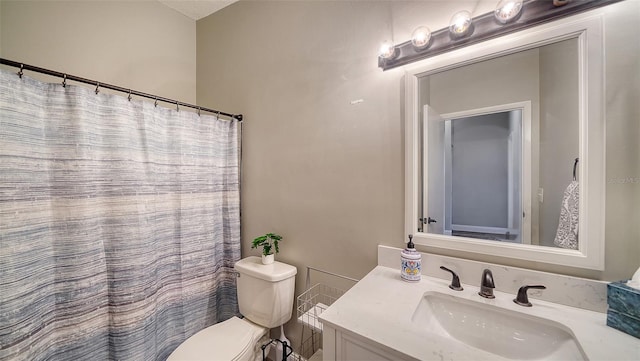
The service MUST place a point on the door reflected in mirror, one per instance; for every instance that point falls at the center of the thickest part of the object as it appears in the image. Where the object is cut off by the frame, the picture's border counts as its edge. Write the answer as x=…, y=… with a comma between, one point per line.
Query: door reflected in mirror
x=479, y=152
x=500, y=138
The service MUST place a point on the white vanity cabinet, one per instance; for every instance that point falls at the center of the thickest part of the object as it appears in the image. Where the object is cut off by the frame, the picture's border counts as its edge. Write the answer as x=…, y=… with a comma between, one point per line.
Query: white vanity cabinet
x=339, y=345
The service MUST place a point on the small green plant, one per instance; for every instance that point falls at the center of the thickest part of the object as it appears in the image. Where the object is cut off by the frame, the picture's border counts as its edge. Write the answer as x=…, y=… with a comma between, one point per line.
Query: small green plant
x=268, y=242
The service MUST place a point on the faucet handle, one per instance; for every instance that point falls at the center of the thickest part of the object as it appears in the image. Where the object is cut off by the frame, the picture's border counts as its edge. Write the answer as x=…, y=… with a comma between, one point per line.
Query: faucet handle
x=522, y=299
x=455, y=281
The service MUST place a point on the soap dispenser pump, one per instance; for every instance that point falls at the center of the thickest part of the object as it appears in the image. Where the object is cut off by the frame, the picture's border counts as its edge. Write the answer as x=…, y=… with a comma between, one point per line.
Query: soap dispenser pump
x=411, y=261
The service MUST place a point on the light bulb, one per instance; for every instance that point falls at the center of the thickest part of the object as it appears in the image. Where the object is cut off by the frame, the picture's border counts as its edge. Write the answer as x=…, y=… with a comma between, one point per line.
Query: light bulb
x=421, y=37
x=387, y=50
x=460, y=23
x=508, y=10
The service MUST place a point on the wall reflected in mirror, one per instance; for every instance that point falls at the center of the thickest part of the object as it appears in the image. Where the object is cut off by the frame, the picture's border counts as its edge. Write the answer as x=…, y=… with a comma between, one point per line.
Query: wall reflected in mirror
x=500, y=138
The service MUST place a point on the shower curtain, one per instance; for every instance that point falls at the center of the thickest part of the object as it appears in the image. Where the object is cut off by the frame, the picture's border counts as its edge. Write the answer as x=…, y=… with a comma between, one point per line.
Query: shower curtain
x=119, y=223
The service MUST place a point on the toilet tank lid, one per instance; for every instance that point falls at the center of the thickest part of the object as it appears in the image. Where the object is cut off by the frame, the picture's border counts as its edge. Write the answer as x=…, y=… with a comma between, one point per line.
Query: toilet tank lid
x=277, y=271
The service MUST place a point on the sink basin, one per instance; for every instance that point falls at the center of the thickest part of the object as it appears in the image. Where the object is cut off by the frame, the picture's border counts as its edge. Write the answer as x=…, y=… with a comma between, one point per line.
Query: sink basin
x=503, y=332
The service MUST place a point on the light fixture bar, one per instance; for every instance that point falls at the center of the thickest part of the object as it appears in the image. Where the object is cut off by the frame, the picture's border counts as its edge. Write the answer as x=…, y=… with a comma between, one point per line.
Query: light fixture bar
x=534, y=12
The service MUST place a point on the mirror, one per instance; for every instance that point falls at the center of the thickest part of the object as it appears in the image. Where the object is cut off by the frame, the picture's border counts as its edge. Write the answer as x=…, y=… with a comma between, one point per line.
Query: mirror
x=493, y=135
x=494, y=184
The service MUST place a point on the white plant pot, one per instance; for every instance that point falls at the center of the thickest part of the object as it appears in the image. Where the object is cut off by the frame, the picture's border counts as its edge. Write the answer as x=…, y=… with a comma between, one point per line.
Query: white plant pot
x=268, y=259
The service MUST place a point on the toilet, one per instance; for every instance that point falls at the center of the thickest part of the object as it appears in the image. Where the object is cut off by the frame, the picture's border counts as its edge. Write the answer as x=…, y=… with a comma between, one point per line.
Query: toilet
x=265, y=299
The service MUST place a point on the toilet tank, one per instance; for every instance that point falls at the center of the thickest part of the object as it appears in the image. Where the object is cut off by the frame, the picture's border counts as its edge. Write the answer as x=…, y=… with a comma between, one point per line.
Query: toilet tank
x=265, y=292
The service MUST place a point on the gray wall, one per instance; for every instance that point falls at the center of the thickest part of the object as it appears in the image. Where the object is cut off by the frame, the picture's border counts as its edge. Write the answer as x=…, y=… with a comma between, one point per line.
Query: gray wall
x=329, y=175
x=559, y=130
x=502, y=80
x=142, y=45
x=622, y=113
x=324, y=173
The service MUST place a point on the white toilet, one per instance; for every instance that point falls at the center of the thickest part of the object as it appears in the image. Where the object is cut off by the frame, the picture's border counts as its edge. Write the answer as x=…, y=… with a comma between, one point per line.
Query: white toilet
x=265, y=298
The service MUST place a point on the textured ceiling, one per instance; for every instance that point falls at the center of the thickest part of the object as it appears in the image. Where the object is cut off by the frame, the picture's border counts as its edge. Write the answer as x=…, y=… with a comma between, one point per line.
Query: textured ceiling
x=197, y=9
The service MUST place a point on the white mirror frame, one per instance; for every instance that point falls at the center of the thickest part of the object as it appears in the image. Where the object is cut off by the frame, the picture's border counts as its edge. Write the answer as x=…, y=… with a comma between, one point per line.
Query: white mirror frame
x=588, y=29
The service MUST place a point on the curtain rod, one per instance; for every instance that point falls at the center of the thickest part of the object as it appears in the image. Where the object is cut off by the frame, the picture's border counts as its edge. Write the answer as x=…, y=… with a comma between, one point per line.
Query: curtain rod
x=98, y=85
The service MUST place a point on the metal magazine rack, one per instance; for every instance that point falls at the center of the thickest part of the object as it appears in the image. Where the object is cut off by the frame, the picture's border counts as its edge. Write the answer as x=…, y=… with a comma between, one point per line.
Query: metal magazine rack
x=310, y=304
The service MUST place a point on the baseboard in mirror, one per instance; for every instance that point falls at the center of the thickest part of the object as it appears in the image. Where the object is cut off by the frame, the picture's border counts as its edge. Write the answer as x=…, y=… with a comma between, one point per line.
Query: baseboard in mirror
x=567, y=290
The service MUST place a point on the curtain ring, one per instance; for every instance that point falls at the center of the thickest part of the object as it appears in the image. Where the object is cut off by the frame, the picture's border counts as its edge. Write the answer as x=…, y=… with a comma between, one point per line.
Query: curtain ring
x=21, y=72
x=198, y=111
x=156, y=103
x=97, y=87
x=129, y=95
x=177, y=107
x=218, y=115
x=64, y=81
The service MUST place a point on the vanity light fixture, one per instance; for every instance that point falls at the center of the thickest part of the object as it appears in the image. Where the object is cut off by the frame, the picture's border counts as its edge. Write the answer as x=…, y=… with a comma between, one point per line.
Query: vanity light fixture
x=460, y=24
x=508, y=10
x=387, y=50
x=421, y=37
x=508, y=17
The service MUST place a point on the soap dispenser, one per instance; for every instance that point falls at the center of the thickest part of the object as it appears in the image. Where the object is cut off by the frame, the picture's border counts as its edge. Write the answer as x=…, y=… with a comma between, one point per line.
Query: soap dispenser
x=411, y=263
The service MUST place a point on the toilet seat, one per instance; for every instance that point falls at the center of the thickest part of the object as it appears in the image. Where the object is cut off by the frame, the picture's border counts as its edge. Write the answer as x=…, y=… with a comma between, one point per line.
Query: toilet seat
x=234, y=339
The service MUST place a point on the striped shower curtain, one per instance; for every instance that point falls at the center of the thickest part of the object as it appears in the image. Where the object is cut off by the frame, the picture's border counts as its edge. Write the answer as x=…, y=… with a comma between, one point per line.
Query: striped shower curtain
x=119, y=223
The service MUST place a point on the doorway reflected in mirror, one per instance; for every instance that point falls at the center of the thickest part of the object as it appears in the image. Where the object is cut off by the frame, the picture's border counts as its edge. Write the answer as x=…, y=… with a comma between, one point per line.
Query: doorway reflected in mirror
x=475, y=160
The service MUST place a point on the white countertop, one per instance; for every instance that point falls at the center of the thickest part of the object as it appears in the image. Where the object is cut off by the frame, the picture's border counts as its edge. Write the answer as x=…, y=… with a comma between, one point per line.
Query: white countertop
x=380, y=308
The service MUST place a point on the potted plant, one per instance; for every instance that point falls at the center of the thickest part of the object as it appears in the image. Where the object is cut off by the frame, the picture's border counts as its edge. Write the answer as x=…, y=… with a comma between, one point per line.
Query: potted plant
x=269, y=243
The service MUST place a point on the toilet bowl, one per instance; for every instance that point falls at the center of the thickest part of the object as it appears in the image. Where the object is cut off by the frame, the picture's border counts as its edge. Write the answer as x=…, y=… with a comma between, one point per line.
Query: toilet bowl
x=265, y=299
x=234, y=339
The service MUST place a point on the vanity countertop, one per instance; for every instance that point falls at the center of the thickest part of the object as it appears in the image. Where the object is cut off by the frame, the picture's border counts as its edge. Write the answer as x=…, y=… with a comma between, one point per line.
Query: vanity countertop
x=381, y=306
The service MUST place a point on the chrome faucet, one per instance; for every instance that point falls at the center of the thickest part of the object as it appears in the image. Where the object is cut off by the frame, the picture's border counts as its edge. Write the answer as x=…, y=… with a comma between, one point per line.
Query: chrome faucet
x=486, y=284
